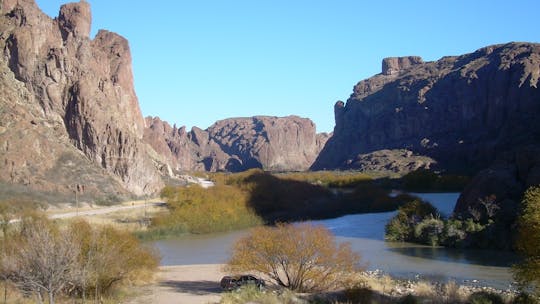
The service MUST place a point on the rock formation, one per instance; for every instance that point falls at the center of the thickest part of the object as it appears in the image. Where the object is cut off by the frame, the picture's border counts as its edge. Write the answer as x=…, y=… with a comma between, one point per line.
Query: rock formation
x=461, y=111
x=69, y=101
x=237, y=144
x=504, y=182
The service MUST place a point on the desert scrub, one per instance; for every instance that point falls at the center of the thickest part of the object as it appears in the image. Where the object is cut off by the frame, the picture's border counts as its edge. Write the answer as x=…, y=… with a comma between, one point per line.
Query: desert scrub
x=194, y=209
x=484, y=297
x=251, y=294
x=423, y=180
x=333, y=179
x=43, y=259
x=300, y=257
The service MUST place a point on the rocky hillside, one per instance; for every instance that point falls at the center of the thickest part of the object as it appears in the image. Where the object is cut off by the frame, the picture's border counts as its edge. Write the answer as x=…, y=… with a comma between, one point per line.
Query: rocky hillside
x=69, y=113
x=70, y=119
x=238, y=144
x=460, y=111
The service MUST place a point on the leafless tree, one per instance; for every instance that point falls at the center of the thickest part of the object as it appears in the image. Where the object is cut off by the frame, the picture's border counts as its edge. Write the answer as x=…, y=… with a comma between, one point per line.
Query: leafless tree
x=489, y=202
x=43, y=262
x=476, y=215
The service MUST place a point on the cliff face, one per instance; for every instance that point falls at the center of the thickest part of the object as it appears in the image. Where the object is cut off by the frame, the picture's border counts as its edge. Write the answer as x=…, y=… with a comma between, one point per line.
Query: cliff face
x=237, y=144
x=460, y=111
x=73, y=95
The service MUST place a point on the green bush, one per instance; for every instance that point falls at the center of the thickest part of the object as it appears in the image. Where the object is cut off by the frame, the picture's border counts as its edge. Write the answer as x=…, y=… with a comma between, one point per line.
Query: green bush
x=402, y=226
x=454, y=233
x=525, y=298
x=527, y=273
x=430, y=231
x=398, y=229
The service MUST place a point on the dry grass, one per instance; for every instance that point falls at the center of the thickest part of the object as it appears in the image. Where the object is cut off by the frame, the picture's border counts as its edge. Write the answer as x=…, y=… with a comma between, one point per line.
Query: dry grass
x=136, y=219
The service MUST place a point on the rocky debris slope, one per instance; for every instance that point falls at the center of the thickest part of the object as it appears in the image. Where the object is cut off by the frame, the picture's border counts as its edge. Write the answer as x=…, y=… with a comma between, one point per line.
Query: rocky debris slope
x=461, y=111
x=503, y=183
x=237, y=144
x=399, y=161
x=67, y=94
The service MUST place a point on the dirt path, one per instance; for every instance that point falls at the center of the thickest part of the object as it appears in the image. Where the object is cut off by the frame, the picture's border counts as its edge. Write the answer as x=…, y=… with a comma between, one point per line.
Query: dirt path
x=104, y=210
x=186, y=284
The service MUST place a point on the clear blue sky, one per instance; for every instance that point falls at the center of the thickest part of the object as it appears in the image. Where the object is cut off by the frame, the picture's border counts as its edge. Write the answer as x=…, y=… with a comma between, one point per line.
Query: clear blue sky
x=199, y=61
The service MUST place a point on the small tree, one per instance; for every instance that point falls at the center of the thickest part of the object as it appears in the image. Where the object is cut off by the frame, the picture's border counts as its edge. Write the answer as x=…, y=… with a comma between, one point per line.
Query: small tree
x=42, y=260
x=108, y=257
x=527, y=273
x=300, y=257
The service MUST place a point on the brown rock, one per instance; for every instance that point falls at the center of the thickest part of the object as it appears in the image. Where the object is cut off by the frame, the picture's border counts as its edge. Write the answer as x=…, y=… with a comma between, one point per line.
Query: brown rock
x=75, y=19
x=393, y=65
x=237, y=144
x=80, y=87
x=391, y=162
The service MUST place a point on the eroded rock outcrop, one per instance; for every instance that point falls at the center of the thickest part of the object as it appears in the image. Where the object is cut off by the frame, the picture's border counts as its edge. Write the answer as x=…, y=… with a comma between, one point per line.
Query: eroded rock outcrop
x=394, y=65
x=79, y=94
x=461, y=111
x=504, y=182
x=237, y=144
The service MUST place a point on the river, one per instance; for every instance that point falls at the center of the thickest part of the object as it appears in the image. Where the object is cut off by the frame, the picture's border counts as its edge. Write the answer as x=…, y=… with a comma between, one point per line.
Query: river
x=365, y=232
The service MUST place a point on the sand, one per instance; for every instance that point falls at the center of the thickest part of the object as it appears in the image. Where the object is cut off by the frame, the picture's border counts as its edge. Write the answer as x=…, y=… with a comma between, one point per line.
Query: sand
x=185, y=284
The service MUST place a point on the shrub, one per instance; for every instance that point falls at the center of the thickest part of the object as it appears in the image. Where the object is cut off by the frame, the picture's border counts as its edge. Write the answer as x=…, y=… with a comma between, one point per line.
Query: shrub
x=402, y=226
x=527, y=273
x=198, y=210
x=299, y=257
x=359, y=293
x=419, y=180
x=251, y=294
x=109, y=257
x=454, y=233
x=398, y=229
x=525, y=298
x=42, y=258
x=427, y=180
x=335, y=179
x=484, y=297
x=408, y=299
x=429, y=231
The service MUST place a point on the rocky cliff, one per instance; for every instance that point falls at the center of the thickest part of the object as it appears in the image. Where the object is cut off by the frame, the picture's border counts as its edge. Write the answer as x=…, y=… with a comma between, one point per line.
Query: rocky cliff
x=69, y=110
x=461, y=111
x=237, y=144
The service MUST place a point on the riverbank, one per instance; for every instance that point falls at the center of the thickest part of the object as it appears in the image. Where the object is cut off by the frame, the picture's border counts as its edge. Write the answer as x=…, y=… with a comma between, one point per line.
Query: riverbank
x=199, y=284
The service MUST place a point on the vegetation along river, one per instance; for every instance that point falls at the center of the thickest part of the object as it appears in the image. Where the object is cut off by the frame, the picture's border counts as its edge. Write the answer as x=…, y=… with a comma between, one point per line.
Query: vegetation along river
x=366, y=234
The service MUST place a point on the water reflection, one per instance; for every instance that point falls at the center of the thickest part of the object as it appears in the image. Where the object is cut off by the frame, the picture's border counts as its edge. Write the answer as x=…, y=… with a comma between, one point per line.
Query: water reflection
x=470, y=257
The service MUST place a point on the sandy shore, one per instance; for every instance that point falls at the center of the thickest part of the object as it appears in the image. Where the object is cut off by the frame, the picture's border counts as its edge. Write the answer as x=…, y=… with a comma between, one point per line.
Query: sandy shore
x=186, y=284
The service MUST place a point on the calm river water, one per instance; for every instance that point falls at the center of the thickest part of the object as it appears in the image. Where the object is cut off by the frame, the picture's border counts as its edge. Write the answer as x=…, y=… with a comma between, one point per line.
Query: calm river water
x=365, y=232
